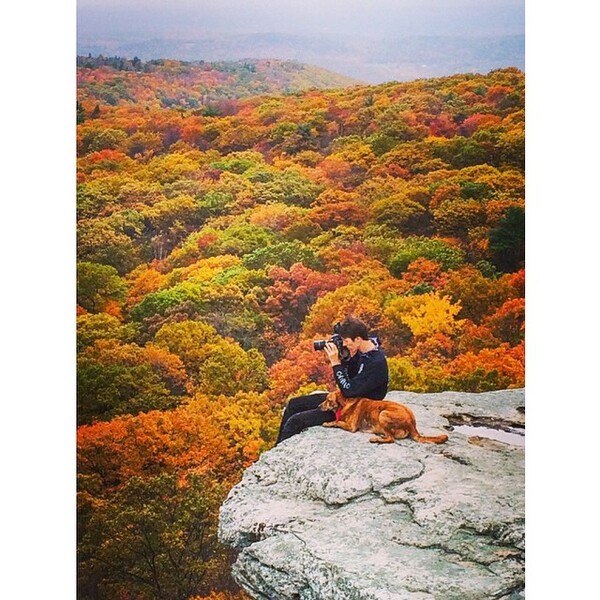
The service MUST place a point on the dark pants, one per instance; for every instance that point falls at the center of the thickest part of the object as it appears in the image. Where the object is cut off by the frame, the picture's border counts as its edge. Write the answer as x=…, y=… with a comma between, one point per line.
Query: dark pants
x=302, y=412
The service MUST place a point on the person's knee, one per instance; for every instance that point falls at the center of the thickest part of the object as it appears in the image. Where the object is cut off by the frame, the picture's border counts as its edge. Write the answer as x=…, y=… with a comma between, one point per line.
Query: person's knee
x=294, y=403
x=295, y=424
x=293, y=406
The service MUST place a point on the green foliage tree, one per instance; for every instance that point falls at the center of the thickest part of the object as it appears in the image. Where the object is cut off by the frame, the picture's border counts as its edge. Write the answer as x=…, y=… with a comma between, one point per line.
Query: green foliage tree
x=168, y=168
x=289, y=187
x=458, y=217
x=402, y=213
x=239, y=162
x=94, y=197
x=157, y=303
x=216, y=202
x=101, y=241
x=115, y=379
x=449, y=257
x=459, y=151
x=241, y=238
x=143, y=143
x=282, y=254
x=96, y=138
x=164, y=214
x=102, y=326
x=97, y=284
x=507, y=241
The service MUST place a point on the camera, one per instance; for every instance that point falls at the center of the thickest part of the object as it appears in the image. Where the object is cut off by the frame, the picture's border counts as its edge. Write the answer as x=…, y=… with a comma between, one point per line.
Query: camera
x=336, y=339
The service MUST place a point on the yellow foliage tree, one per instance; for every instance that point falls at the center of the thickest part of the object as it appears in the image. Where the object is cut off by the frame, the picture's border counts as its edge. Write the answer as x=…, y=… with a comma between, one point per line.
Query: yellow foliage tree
x=425, y=315
x=405, y=375
x=217, y=365
x=248, y=420
x=202, y=270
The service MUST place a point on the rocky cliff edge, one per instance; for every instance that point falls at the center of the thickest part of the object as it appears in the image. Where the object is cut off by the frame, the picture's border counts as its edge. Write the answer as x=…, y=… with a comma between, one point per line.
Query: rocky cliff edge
x=326, y=515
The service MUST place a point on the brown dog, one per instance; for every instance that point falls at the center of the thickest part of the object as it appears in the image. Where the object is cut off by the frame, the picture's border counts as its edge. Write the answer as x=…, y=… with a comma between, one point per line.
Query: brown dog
x=388, y=420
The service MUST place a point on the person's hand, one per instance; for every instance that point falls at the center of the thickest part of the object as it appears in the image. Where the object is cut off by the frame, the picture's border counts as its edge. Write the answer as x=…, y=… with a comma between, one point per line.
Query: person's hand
x=332, y=354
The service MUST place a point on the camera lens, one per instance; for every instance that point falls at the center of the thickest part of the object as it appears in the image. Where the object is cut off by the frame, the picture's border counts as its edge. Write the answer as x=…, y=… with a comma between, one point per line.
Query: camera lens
x=319, y=344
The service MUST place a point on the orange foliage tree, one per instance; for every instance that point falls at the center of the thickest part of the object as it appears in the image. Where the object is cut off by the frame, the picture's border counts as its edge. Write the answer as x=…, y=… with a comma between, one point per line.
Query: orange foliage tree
x=489, y=369
x=301, y=371
x=152, y=484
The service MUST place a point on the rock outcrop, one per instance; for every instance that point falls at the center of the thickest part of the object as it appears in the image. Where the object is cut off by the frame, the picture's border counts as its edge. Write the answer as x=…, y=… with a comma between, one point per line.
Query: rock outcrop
x=326, y=515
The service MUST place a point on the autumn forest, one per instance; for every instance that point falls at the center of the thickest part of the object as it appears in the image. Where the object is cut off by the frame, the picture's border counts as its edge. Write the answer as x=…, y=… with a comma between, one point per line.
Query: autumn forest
x=229, y=214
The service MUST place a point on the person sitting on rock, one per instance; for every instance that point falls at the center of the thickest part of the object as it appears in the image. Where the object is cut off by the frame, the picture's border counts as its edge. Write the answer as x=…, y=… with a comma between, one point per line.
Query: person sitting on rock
x=364, y=373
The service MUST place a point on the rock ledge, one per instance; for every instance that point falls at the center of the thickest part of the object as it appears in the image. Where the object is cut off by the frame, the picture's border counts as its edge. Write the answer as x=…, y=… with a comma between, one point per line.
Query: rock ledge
x=328, y=516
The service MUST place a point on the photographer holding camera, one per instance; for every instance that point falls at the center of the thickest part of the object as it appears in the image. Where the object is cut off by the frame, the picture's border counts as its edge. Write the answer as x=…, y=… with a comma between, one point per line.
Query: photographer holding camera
x=359, y=369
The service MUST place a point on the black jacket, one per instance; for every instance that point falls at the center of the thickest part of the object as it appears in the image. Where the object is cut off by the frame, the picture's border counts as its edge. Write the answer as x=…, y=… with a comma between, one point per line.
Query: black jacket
x=365, y=374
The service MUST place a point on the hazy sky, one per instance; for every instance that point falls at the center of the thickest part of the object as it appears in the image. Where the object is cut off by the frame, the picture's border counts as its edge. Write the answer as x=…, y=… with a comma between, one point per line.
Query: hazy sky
x=179, y=18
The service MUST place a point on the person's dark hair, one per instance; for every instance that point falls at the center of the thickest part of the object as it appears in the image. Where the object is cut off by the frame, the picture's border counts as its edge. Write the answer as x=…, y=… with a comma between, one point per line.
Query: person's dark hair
x=351, y=327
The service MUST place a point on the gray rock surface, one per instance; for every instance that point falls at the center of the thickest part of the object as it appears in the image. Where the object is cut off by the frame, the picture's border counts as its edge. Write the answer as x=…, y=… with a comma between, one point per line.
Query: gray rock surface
x=326, y=515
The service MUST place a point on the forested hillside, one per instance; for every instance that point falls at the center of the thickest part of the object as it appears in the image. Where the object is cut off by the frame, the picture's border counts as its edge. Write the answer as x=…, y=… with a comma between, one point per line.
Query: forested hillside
x=197, y=85
x=217, y=240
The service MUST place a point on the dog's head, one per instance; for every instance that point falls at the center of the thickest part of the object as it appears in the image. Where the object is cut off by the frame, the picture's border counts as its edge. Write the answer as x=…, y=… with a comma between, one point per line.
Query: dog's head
x=332, y=402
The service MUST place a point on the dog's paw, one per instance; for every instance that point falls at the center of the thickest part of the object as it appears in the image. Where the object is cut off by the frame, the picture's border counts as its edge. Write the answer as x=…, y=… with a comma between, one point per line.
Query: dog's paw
x=381, y=440
x=329, y=424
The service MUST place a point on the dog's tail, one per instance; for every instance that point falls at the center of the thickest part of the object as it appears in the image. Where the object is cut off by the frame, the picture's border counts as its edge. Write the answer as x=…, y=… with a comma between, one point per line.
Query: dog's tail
x=430, y=439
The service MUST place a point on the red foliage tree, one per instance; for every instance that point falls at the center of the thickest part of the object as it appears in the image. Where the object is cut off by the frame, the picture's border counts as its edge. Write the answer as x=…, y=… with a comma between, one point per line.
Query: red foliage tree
x=295, y=290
